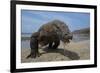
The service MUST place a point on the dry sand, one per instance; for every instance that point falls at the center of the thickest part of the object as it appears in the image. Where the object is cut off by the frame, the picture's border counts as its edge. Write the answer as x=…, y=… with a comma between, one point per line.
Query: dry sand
x=73, y=51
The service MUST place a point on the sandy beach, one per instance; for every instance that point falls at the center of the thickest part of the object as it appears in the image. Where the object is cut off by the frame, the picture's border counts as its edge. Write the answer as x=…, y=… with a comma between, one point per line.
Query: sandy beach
x=73, y=51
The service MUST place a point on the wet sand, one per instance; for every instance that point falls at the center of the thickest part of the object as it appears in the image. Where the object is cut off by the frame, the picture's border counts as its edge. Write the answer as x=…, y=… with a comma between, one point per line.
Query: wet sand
x=73, y=51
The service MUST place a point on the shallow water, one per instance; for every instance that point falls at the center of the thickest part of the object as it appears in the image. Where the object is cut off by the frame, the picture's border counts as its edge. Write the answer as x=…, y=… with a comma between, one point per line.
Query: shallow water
x=25, y=44
x=78, y=37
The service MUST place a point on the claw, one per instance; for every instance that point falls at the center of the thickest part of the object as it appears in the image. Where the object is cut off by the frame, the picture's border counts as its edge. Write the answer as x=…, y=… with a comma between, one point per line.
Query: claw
x=33, y=55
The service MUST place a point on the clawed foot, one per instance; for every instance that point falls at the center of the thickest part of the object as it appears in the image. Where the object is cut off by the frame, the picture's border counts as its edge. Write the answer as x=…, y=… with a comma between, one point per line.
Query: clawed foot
x=33, y=55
